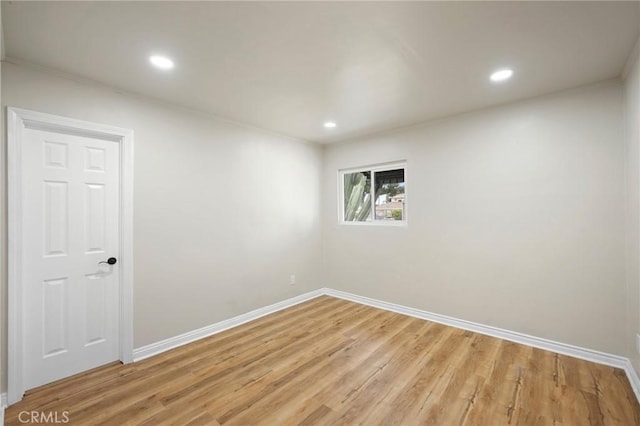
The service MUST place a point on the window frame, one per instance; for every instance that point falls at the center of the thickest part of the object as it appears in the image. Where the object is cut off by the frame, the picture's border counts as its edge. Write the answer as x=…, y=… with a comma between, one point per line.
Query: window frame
x=380, y=167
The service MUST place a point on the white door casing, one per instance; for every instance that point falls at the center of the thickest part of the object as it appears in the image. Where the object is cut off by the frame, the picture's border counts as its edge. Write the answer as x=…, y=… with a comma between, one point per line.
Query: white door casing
x=69, y=209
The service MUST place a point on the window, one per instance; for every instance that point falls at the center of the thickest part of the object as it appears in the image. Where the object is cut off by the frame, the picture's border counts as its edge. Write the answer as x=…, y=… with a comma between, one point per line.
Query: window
x=374, y=195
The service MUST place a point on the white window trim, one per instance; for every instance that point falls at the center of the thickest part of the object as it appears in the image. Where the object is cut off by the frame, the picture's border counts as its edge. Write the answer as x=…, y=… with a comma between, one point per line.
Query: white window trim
x=373, y=168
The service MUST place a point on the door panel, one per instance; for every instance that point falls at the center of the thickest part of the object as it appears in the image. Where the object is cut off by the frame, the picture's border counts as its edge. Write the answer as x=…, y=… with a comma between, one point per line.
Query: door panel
x=95, y=220
x=71, y=223
x=56, y=202
x=54, y=307
x=95, y=288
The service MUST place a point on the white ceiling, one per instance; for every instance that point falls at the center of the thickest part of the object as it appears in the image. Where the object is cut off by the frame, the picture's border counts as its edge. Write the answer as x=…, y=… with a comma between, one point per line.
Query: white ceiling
x=288, y=67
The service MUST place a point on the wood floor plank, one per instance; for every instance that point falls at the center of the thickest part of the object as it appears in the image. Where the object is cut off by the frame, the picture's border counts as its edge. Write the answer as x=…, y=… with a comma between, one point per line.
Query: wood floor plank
x=328, y=361
x=316, y=417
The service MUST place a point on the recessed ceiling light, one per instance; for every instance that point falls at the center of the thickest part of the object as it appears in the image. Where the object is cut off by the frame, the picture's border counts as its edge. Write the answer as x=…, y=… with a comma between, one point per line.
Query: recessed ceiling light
x=161, y=62
x=329, y=124
x=501, y=75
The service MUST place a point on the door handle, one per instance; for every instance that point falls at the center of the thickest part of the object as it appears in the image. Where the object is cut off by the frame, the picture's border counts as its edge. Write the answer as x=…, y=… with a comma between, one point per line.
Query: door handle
x=110, y=261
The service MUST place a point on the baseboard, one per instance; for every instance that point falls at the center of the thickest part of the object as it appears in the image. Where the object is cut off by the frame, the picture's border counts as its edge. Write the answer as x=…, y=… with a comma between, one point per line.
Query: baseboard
x=3, y=405
x=191, y=336
x=634, y=380
x=512, y=336
x=536, y=342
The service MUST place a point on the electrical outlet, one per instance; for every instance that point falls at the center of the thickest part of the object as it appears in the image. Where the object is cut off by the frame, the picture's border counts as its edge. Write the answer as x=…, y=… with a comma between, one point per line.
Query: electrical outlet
x=292, y=280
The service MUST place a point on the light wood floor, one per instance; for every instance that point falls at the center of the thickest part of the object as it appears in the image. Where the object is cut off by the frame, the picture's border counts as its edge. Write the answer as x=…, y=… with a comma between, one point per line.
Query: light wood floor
x=333, y=362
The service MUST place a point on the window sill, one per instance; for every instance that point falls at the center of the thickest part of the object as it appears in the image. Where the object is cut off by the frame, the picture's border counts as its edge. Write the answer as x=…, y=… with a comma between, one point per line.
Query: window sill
x=383, y=223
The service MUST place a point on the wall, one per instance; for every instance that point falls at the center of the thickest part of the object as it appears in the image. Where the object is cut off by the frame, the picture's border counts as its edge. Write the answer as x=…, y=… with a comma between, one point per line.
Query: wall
x=632, y=167
x=223, y=214
x=516, y=219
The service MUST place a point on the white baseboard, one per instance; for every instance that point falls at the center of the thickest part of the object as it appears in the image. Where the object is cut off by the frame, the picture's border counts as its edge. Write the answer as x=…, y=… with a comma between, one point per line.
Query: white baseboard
x=209, y=330
x=634, y=380
x=525, y=339
x=536, y=342
x=3, y=405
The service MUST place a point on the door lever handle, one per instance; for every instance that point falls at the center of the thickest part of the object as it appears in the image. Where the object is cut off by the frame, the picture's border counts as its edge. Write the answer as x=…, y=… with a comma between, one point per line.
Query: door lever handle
x=110, y=261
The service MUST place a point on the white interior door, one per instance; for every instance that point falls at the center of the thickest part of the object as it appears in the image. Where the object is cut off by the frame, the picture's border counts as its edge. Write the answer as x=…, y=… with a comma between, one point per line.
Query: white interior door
x=70, y=223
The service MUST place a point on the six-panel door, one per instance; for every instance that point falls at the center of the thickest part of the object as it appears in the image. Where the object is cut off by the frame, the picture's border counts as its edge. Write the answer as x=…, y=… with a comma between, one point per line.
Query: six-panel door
x=70, y=208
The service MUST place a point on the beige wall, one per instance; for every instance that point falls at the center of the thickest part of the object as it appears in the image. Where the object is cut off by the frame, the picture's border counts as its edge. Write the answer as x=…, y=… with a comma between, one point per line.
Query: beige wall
x=516, y=219
x=223, y=213
x=632, y=166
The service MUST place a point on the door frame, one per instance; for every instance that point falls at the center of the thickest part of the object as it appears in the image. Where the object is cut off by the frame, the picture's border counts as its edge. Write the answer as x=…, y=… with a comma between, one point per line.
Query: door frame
x=17, y=121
